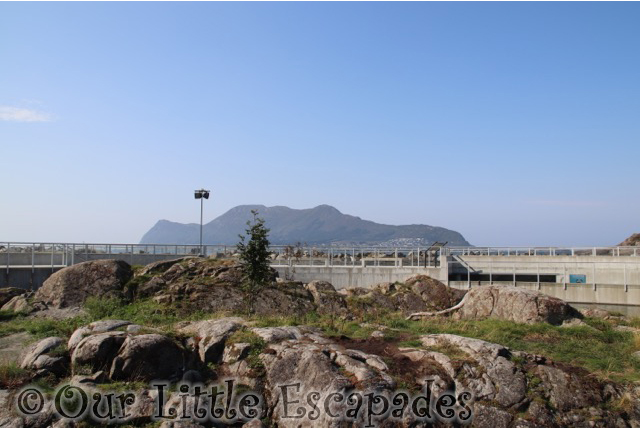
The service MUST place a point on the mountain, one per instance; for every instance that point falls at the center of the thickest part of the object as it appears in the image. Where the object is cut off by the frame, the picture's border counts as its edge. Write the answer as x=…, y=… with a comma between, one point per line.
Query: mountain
x=320, y=226
x=632, y=241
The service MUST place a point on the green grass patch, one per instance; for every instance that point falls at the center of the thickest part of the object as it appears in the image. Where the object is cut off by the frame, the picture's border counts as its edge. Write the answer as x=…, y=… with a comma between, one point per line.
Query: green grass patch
x=143, y=312
x=597, y=347
x=12, y=376
x=42, y=327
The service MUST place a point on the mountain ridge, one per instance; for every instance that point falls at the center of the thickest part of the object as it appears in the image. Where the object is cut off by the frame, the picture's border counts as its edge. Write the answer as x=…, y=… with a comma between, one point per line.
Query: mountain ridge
x=321, y=225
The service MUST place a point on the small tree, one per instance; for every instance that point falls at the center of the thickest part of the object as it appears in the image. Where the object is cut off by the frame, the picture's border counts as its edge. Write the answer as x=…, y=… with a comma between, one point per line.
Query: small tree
x=255, y=258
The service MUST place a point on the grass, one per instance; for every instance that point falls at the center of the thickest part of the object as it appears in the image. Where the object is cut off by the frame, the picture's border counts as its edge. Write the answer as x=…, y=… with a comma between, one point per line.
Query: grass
x=143, y=312
x=13, y=376
x=41, y=327
x=597, y=346
x=602, y=350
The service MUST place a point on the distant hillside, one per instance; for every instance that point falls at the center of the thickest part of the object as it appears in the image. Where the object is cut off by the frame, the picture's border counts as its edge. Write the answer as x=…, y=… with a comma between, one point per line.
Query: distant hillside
x=320, y=225
x=632, y=241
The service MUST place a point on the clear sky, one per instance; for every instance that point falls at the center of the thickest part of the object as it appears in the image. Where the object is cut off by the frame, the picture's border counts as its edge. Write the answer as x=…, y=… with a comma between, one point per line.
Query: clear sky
x=512, y=123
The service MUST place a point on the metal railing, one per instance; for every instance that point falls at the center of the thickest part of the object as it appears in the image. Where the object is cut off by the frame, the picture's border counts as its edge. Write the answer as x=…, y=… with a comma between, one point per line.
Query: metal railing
x=57, y=255
x=542, y=251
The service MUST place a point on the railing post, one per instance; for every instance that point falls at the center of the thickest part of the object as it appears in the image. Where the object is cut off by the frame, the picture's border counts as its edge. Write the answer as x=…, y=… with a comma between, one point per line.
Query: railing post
x=8, y=255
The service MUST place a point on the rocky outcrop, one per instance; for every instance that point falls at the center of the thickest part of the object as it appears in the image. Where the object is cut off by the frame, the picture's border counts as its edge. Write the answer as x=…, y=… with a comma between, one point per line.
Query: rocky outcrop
x=510, y=389
x=199, y=284
x=9, y=293
x=516, y=389
x=125, y=351
x=72, y=285
x=514, y=304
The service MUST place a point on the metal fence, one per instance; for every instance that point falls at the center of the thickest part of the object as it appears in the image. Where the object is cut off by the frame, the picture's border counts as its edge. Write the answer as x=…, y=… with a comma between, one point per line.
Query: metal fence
x=542, y=251
x=56, y=255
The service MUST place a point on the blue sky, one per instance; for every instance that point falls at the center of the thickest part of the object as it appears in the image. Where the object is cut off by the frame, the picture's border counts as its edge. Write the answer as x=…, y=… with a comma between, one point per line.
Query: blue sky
x=512, y=123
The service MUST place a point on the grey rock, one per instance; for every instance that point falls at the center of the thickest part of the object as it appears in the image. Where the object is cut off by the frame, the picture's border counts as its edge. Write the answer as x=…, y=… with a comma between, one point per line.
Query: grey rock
x=72, y=285
x=501, y=381
x=93, y=328
x=212, y=335
x=148, y=357
x=42, y=347
x=18, y=304
x=9, y=293
x=162, y=265
x=254, y=424
x=235, y=352
x=514, y=304
x=485, y=416
x=98, y=350
x=277, y=334
x=567, y=391
x=326, y=298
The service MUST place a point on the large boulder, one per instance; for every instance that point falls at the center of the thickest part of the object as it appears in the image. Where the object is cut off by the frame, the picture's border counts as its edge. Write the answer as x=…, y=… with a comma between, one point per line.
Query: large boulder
x=147, y=357
x=433, y=293
x=514, y=304
x=71, y=286
x=97, y=351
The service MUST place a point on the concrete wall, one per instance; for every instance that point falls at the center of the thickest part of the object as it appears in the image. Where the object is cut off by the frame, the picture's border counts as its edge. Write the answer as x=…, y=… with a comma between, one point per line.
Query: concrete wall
x=350, y=277
x=25, y=278
x=598, y=270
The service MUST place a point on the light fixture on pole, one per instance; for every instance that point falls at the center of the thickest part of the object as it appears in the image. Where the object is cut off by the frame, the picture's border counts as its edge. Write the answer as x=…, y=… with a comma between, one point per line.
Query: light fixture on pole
x=201, y=194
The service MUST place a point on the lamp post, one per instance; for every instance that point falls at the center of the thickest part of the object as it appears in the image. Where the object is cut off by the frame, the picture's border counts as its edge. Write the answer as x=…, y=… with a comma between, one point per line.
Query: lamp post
x=201, y=194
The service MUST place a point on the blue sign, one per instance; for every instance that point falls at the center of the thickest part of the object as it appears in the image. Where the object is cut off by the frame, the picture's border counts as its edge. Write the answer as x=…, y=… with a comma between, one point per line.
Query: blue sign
x=577, y=279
